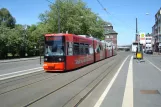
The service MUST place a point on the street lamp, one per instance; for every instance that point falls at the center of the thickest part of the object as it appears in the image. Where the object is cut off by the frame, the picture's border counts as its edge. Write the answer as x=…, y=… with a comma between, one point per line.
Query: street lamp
x=147, y=13
x=137, y=27
x=35, y=50
x=25, y=40
x=137, y=34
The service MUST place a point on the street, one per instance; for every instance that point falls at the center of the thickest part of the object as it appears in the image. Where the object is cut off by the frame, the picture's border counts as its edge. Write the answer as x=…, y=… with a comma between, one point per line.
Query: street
x=14, y=67
x=119, y=81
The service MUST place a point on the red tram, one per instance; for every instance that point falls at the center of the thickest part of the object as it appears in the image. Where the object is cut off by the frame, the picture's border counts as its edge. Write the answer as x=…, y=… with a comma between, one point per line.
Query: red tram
x=68, y=51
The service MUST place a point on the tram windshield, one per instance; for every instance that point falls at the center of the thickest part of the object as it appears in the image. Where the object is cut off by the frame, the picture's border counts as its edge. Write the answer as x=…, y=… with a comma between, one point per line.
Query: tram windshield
x=54, y=46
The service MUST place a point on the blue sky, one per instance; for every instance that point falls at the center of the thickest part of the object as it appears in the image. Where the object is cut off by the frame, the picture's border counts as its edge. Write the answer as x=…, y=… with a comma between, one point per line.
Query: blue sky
x=122, y=14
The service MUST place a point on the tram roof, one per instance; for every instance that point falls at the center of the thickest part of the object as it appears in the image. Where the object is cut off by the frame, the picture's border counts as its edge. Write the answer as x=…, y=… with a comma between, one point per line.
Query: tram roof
x=83, y=36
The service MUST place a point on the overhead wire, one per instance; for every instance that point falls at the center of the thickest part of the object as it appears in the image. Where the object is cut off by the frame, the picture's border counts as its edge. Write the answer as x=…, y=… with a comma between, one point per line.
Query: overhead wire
x=108, y=13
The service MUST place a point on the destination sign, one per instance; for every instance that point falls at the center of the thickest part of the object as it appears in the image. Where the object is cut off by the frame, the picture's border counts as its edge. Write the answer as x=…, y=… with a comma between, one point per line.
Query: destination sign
x=53, y=38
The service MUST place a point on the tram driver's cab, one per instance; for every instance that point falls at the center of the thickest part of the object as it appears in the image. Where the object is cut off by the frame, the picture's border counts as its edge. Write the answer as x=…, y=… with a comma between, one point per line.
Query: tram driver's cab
x=54, y=57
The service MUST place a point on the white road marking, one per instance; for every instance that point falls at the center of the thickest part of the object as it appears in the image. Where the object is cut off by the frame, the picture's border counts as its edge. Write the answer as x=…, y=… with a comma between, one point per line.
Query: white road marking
x=19, y=73
x=99, y=102
x=153, y=64
x=15, y=60
x=128, y=94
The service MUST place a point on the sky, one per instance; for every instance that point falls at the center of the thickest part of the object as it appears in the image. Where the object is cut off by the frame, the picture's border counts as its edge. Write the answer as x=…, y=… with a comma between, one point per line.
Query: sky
x=121, y=13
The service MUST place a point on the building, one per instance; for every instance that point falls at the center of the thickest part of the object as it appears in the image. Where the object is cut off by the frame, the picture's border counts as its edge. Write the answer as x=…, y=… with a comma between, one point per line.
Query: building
x=145, y=40
x=156, y=31
x=110, y=34
x=148, y=44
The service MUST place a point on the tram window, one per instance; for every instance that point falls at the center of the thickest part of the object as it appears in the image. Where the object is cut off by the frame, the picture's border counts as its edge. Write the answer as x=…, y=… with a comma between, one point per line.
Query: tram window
x=81, y=48
x=90, y=49
x=100, y=47
x=109, y=46
x=69, y=48
x=86, y=49
x=104, y=46
x=98, y=50
x=76, y=48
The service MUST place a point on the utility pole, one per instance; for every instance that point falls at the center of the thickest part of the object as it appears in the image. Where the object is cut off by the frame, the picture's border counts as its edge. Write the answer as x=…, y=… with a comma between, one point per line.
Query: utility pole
x=137, y=35
x=58, y=7
x=136, y=29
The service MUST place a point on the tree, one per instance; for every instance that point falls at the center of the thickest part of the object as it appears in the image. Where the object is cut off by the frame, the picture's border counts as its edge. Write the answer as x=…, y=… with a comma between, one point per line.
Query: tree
x=75, y=17
x=6, y=18
x=14, y=41
x=3, y=41
x=11, y=40
x=35, y=35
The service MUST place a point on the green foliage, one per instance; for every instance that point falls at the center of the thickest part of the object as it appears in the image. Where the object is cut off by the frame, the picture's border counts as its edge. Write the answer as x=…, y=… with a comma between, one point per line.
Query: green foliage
x=6, y=18
x=10, y=41
x=3, y=41
x=75, y=17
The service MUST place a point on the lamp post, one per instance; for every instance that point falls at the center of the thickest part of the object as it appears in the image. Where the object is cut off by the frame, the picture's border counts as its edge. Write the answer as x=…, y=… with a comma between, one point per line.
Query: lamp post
x=137, y=34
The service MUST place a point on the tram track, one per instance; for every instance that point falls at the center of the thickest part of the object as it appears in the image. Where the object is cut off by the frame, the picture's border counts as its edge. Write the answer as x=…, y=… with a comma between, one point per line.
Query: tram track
x=102, y=74
x=52, y=92
x=19, y=78
x=22, y=86
x=60, y=86
x=98, y=80
x=23, y=79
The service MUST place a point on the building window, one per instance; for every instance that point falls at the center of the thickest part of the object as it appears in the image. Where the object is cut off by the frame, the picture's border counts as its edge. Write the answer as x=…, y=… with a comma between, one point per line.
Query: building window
x=107, y=36
x=111, y=36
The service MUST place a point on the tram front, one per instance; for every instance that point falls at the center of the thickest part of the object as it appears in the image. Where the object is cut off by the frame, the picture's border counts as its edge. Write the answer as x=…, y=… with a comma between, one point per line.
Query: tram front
x=54, y=56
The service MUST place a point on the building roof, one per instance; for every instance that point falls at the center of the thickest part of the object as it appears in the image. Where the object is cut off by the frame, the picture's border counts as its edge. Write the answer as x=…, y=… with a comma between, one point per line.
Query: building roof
x=107, y=24
x=158, y=12
x=110, y=31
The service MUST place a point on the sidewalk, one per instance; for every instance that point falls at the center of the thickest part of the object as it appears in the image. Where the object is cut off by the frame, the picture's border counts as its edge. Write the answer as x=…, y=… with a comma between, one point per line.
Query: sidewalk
x=19, y=59
x=146, y=83
x=156, y=53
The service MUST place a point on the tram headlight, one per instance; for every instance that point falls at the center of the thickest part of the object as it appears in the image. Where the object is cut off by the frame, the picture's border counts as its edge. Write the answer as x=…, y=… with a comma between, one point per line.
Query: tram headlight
x=60, y=59
x=45, y=59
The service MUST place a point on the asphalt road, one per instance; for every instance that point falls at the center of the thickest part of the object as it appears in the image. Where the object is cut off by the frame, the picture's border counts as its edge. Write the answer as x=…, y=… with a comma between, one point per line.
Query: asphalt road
x=56, y=89
x=10, y=66
x=119, y=81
